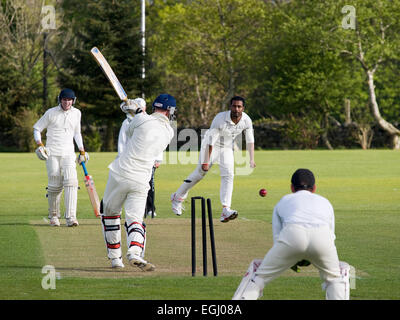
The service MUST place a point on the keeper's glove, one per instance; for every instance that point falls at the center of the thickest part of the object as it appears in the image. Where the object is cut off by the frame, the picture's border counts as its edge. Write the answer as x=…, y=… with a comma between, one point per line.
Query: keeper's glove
x=302, y=263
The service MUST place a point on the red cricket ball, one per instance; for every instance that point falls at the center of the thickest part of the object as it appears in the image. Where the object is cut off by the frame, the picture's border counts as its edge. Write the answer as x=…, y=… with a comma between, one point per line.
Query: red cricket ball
x=262, y=192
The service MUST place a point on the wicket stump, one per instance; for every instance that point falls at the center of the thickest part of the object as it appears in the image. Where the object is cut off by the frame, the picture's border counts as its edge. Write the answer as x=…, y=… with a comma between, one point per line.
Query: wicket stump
x=204, y=235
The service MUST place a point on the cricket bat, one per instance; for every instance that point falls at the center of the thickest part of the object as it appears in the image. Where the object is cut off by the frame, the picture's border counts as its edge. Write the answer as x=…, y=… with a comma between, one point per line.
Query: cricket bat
x=109, y=73
x=91, y=189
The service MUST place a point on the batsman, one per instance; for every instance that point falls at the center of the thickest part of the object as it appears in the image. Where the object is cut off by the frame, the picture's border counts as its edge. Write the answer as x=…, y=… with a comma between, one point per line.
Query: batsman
x=128, y=182
x=122, y=141
x=63, y=124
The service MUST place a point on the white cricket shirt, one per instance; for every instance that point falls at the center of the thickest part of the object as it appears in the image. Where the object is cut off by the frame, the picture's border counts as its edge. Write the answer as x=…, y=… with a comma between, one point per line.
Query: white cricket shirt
x=61, y=126
x=147, y=137
x=305, y=208
x=122, y=138
x=223, y=130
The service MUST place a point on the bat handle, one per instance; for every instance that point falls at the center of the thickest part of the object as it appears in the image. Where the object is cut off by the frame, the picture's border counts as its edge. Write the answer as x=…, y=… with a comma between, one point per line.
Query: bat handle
x=84, y=168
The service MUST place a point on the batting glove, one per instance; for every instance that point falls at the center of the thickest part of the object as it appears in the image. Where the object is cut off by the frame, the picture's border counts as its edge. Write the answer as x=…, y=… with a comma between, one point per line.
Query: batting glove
x=131, y=106
x=82, y=157
x=42, y=152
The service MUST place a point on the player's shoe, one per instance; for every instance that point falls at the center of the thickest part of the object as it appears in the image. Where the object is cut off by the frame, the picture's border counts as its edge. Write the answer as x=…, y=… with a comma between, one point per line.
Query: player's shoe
x=228, y=214
x=138, y=261
x=71, y=222
x=54, y=222
x=116, y=263
x=177, y=204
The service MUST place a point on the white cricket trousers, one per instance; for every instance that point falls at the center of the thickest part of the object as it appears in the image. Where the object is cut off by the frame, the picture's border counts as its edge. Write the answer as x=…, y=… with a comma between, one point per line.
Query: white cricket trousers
x=132, y=195
x=316, y=245
x=222, y=156
x=61, y=173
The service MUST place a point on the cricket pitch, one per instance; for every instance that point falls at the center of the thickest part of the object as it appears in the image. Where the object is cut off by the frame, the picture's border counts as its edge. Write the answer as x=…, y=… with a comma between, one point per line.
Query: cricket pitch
x=81, y=252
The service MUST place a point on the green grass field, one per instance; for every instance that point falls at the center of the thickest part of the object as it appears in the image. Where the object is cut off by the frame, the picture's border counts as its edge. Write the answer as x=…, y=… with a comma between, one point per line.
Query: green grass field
x=363, y=186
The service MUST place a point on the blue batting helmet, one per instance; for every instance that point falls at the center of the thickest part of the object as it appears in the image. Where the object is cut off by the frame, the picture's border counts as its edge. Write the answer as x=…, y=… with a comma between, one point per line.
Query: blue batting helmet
x=66, y=93
x=166, y=102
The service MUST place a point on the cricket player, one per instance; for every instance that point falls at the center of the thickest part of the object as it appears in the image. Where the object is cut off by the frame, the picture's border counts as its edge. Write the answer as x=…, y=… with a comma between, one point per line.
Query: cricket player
x=303, y=226
x=129, y=176
x=63, y=124
x=122, y=140
x=217, y=147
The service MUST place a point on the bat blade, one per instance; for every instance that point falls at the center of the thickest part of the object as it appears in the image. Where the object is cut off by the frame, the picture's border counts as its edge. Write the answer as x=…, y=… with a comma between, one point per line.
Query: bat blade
x=104, y=65
x=94, y=198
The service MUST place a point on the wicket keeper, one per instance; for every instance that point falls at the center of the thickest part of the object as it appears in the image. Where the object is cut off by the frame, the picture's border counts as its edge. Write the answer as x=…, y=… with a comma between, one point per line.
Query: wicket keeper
x=303, y=227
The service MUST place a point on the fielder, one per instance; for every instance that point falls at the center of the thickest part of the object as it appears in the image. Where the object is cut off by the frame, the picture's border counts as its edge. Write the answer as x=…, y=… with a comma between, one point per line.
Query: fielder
x=303, y=226
x=63, y=124
x=122, y=141
x=217, y=147
x=129, y=176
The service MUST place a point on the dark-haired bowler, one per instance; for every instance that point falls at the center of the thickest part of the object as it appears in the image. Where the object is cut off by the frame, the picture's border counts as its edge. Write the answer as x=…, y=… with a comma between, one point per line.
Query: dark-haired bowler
x=217, y=147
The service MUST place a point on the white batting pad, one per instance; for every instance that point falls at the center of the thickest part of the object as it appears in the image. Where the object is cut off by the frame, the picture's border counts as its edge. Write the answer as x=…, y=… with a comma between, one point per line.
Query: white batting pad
x=345, y=273
x=112, y=235
x=249, y=275
x=70, y=200
x=54, y=199
x=136, y=238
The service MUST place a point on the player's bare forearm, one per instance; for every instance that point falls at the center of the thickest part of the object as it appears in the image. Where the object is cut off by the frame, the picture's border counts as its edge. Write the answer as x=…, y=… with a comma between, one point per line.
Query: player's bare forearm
x=207, y=155
x=250, y=149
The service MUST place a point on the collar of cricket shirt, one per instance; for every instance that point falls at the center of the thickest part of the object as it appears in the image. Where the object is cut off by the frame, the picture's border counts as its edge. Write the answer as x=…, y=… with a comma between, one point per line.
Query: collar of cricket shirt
x=229, y=120
x=65, y=111
x=160, y=116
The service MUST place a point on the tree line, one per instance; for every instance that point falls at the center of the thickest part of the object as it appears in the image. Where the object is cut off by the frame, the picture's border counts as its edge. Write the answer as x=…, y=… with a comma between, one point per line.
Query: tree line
x=306, y=68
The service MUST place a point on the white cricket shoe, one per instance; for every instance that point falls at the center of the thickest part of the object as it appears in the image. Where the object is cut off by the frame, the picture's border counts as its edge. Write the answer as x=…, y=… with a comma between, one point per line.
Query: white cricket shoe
x=228, y=214
x=138, y=261
x=177, y=204
x=116, y=263
x=54, y=222
x=71, y=222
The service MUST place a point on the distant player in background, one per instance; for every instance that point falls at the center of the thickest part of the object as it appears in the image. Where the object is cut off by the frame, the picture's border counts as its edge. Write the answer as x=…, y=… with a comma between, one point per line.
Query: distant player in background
x=63, y=124
x=129, y=176
x=303, y=227
x=122, y=140
x=217, y=147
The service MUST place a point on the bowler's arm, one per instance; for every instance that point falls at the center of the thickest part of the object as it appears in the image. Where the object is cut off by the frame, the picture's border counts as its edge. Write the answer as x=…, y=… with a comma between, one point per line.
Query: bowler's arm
x=205, y=165
x=249, y=134
x=250, y=149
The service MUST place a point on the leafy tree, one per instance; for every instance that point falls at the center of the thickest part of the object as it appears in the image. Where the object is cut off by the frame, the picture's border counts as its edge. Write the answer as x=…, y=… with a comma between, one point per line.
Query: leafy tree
x=297, y=77
x=21, y=71
x=374, y=44
x=114, y=27
x=310, y=64
x=204, y=49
